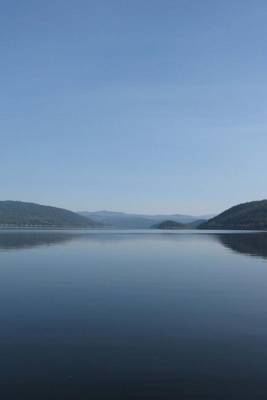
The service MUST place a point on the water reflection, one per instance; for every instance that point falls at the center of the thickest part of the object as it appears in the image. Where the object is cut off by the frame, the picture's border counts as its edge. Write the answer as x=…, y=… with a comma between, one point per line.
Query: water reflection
x=252, y=244
x=166, y=314
x=15, y=239
x=10, y=240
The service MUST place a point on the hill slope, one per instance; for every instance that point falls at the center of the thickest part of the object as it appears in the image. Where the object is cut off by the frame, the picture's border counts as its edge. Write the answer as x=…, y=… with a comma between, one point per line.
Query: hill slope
x=252, y=215
x=18, y=213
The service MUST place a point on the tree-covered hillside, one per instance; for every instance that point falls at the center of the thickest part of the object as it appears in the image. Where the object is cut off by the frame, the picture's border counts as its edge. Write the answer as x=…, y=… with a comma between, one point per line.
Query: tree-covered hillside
x=20, y=214
x=251, y=216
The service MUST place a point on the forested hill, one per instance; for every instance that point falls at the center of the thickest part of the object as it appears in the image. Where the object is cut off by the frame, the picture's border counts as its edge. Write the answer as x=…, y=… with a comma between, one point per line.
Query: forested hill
x=251, y=216
x=21, y=214
x=169, y=225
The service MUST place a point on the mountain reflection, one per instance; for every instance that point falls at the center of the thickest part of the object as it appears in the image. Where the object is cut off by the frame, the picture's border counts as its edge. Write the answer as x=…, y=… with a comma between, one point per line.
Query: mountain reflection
x=253, y=244
x=11, y=239
x=24, y=240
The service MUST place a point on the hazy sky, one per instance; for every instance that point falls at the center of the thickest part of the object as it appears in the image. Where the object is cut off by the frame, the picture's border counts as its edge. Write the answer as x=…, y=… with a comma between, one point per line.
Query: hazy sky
x=142, y=106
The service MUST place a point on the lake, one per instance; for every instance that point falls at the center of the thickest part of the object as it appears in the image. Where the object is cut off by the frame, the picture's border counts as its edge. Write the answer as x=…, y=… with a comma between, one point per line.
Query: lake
x=133, y=315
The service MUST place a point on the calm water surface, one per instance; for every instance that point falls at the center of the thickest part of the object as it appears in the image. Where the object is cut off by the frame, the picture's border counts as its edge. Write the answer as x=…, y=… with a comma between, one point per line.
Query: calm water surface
x=133, y=315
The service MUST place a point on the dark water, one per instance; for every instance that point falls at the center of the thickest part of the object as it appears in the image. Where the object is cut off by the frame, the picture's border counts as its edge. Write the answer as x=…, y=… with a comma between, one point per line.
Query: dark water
x=131, y=315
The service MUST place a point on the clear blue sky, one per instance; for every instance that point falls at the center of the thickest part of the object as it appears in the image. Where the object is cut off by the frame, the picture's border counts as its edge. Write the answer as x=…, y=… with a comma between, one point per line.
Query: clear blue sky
x=141, y=106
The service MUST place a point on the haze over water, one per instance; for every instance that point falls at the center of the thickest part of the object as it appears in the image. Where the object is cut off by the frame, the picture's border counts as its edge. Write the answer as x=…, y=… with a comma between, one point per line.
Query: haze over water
x=133, y=315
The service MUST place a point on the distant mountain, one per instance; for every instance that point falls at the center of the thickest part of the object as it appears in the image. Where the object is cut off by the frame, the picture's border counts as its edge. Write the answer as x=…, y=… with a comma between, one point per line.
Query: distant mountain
x=119, y=220
x=252, y=215
x=195, y=224
x=21, y=214
x=135, y=221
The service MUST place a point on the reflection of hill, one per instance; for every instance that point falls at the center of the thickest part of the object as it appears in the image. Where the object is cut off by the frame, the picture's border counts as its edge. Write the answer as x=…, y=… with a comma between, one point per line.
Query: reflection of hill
x=13, y=240
x=253, y=244
x=10, y=239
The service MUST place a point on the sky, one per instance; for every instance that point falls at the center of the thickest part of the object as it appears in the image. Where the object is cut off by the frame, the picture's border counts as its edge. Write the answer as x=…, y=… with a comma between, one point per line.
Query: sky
x=149, y=106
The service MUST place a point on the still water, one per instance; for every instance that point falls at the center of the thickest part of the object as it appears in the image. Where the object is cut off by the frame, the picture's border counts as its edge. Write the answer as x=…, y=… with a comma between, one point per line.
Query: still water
x=89, y=315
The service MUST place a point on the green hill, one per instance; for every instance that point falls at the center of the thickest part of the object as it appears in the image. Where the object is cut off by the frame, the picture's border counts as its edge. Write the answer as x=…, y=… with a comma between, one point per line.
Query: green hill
x=21, y=214
x=250, y=216
x=169, y=225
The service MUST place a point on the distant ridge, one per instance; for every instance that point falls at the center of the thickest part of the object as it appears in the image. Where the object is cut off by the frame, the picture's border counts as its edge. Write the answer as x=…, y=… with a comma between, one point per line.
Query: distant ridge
x=22, y=214
x=246, y=216
x=117, y=219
